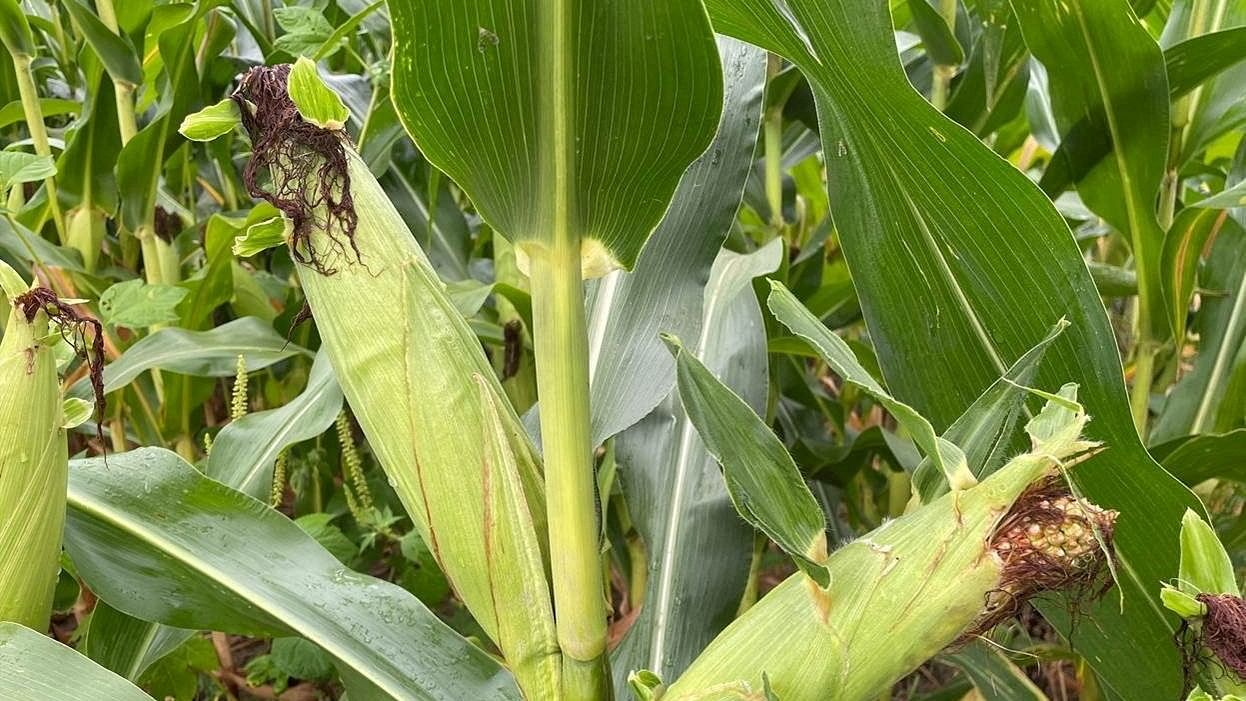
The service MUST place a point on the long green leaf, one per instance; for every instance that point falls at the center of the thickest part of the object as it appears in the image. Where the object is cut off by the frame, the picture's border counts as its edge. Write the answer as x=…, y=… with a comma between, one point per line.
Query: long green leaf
x=159, y=541
x=962, y=265
x=630, y=370
x=200, y=353
x=560, y=114
x=1210, y=456
x=115, y=52
x=1218, y=106
x=995, y=676
x=1193, y=61
x=33, y=667
x=1102, y=63
x=675, y=490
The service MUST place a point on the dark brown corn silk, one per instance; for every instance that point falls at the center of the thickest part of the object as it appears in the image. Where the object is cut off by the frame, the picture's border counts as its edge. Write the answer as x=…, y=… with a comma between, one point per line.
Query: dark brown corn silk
x=1223, y=631
x=167, y=224
x=74, y=328
x=297, y=167
x=1049, y=541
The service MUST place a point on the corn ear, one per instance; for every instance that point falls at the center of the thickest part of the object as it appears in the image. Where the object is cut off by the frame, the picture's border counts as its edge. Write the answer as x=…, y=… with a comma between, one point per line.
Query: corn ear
x=426, y=397
x=86, y=234
x=34, y=465
x=899, y=595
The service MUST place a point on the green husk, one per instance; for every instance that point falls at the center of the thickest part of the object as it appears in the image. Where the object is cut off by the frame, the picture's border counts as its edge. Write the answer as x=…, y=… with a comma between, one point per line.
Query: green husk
x=425, y=395
x=908, y=589
x=34, y=465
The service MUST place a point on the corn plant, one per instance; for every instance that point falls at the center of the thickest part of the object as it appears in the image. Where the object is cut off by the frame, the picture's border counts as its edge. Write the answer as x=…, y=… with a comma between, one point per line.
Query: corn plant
x=671, y=350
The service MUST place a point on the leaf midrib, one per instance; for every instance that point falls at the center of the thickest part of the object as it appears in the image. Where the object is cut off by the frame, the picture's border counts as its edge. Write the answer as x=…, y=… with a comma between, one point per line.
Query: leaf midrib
x=85, y=504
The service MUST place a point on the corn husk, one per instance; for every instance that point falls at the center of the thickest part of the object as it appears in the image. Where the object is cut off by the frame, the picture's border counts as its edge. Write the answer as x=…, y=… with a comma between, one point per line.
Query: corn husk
x=34, y=466
x=898, y=596
x=86, y=234
x=438, y=421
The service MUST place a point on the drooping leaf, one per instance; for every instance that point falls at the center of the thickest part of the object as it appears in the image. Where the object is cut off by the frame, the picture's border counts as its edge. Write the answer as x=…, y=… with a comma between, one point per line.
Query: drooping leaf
x=209, y=557
x=986, y=432
x=995, y=676
x=1219, y=107
x=947, y=457
x=560, y=123
x=953, y=292
x=127, y=645
x=1192, y=62
x=200, y=353
x=115, y=52
x=34, y=667
x=674, y=487
x=629, y=368
x=764, y=483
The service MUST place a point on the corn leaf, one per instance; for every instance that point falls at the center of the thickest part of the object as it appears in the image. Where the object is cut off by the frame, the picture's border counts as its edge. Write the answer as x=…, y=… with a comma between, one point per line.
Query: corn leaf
x=558, y=122
x=115, y=52
x=946, y=456
x=1194, y=459
x=765, y=485
x=675, y=490
x=128, y=645
x=34, y=667
x=1183, y=246
x=987, y=430
x=953, y=294
x=1219, y=107
x=1210, y=398
x=200, y=353
x=1102, y=62
x=629, y=368
x=213, y=558
x=994, y=675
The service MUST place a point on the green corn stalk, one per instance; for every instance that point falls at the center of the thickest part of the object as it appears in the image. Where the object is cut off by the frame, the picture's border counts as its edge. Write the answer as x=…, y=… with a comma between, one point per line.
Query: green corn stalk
x=425, y=395
x=904, y=592
x=34, y=465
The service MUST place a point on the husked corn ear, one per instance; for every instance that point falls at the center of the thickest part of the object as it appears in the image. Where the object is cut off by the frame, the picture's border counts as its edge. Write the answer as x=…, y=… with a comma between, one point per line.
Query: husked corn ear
x=914, y=586
x=415, y=376
x=34, y=465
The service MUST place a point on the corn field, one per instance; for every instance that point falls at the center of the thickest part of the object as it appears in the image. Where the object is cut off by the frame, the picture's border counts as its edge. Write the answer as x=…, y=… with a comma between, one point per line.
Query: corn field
x=592, y=350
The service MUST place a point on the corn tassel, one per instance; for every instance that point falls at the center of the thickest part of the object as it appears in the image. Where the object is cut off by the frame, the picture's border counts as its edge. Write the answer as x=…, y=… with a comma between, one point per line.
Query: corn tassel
x=406, y=360
x=34, y=465
x=915, y=585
